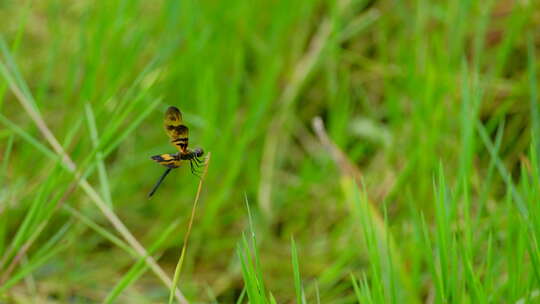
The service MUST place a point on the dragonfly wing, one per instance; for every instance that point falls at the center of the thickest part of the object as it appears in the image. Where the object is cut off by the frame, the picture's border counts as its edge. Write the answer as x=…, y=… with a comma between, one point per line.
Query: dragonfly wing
x=168, y=160
x=176, y=130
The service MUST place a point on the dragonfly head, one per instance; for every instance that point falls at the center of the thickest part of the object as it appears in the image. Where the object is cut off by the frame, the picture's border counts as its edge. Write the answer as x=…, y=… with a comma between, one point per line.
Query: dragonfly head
x=198, y=152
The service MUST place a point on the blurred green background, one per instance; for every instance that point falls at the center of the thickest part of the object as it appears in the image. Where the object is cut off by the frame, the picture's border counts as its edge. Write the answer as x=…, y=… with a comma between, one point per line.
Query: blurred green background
x=426, y=192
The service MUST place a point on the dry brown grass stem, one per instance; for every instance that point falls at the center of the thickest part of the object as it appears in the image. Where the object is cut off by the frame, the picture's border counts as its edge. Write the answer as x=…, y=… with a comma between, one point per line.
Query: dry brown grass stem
x=178, y=268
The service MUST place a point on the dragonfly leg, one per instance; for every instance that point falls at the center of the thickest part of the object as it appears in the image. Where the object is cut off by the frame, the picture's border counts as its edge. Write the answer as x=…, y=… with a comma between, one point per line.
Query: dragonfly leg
x=194, y=170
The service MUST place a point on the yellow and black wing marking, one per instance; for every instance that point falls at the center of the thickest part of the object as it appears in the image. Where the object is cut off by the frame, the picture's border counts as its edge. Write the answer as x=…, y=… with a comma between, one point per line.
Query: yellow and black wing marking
x=168, y=160
x=177, y=131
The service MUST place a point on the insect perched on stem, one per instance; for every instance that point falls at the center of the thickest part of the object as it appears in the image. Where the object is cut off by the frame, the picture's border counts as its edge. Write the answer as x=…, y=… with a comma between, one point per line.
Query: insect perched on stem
x=178, y=134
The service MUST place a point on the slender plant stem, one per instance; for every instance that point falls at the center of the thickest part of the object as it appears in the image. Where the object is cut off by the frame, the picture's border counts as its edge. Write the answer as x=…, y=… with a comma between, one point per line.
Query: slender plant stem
x=178, y=268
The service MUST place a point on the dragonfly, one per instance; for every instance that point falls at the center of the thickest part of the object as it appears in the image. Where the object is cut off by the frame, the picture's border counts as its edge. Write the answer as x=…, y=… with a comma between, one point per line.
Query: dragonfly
x=179, y=136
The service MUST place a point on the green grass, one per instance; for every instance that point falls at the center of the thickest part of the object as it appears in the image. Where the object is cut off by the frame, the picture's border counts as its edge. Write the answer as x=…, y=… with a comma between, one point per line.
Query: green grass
x=426, y=192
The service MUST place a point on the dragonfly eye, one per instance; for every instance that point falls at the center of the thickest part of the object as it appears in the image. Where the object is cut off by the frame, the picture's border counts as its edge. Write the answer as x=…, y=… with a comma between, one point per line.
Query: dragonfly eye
x=198, y=152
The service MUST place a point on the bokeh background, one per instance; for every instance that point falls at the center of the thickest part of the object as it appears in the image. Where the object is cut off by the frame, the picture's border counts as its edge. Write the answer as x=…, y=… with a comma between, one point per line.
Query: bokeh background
x=420, y=184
